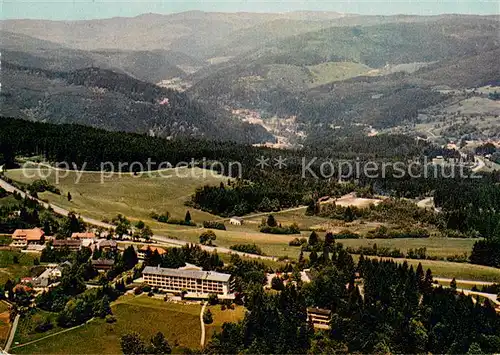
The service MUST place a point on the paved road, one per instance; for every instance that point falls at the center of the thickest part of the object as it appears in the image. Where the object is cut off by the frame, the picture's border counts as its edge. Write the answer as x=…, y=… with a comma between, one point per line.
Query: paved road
x=468, y=282
x=158, y=238
x=202, y=340
x=490, y=296
x=12, y=333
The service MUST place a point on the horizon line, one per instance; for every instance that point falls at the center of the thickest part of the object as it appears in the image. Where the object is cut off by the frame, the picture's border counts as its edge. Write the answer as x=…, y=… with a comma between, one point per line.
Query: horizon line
x=305, y=11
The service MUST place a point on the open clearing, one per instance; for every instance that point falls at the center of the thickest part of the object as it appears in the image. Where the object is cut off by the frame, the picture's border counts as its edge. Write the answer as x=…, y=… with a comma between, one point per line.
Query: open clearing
x=448, y=269
x=441, y=247
x=222, y=316
x=180, y=323
x=133, y=196
x=328, y=72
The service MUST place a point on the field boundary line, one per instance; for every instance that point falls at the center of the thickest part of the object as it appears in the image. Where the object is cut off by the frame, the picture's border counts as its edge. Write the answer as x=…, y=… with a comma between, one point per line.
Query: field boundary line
x=202, y=339
x=54, y=334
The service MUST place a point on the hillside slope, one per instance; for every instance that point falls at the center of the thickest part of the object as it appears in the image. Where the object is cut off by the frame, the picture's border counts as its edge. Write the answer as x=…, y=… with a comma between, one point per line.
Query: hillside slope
x=110, y=100
x=151, y=66
x=376, y=75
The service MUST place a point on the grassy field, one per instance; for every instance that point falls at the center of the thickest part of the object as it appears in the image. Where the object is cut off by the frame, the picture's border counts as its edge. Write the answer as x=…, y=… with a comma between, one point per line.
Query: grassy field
x=460, y=285
x=133, y=196
x=180, y=323
x=328, y=72
x=26, y=328
x=449, y=269
x=10, y=270
x=5, y=239
x=4, y=322
x=440, y=247
x=137, y=197
x=222, y=316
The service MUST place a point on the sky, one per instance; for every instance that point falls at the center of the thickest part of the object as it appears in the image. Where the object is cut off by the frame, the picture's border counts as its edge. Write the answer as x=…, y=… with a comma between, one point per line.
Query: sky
x=92, y=9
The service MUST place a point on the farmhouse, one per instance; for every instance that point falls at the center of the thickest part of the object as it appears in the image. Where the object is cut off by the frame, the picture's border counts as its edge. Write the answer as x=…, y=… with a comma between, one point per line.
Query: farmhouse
x=197, y=283
x=237, y=221
x=141, y=253
x=103, y=264
x=319, y=317
x=23, y=237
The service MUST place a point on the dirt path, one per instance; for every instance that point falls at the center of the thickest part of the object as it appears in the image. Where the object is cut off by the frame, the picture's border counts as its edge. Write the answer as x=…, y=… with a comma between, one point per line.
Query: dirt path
x=12, y=333
x=202, y=340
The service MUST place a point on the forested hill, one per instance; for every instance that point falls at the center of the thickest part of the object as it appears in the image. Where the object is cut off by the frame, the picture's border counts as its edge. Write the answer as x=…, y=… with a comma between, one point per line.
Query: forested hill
x=375, y=46
x=380, y=75
x=114, y=101
x=151, y=66
x=77, y=143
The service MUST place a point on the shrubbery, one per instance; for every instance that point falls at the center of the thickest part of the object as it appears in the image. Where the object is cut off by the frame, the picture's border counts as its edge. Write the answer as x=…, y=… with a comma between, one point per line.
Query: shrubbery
x=207, y=237
x=247, y=248
x=297, y=242
x=346, y=234
x=214, y=225
x=292, y=229
x=165, y=218
x=382, y=232
x=42, y=186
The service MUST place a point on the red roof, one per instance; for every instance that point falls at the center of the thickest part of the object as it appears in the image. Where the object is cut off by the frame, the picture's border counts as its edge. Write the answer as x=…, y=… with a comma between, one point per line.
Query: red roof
x=34, y=234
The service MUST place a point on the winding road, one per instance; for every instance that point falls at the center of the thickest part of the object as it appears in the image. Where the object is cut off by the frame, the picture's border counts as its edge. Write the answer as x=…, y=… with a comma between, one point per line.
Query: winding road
x=157, y=238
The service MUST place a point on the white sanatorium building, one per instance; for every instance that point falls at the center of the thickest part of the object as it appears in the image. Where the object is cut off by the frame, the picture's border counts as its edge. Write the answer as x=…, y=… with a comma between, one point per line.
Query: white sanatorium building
x=197, y=283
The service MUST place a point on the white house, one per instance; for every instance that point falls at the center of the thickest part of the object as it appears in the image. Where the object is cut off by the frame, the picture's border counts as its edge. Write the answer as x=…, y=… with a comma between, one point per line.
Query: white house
x=237, y=221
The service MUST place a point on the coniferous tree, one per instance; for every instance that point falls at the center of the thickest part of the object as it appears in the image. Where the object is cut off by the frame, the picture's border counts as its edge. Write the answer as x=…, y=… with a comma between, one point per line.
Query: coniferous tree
x=187, y=218
x=313, y=239
x=271, y=221
x=130, y=258
x=159, y=345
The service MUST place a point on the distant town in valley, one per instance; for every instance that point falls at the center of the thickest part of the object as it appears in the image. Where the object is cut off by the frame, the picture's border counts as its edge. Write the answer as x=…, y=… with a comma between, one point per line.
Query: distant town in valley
x=323, y=182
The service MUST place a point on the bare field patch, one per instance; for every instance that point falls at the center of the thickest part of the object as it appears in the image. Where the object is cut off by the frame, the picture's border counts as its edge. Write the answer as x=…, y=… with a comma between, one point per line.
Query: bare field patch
x=133, y=196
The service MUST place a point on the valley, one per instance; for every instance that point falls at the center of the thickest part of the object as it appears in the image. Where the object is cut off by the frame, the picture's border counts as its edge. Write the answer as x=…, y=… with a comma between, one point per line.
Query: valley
x=301, y=182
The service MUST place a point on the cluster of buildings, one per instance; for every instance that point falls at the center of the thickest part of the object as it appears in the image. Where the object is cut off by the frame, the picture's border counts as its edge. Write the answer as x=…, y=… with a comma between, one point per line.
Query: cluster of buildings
x=49, y=277
x=34, y=240
x=189, y=281
x=192, y=282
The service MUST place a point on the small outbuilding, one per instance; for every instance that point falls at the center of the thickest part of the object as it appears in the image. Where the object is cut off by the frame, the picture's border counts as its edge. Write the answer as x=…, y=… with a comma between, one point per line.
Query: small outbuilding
x=236, y=221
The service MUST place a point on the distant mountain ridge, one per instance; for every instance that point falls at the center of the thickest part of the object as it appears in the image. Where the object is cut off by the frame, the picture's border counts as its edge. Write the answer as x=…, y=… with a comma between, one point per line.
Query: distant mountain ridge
x=320, y=69
x=106, y=99
x=195, y=33
x=152, y=66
